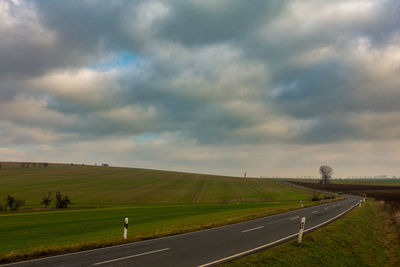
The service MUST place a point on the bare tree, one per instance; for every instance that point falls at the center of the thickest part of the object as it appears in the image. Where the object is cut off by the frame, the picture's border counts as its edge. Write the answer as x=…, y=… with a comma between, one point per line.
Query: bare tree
x=47, y=199
x=326, y=173
x=13, y=203
x=62, y=202
x=10, y=202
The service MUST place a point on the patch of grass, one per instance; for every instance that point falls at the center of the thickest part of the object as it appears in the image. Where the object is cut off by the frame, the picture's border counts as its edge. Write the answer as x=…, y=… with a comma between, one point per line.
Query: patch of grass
x=49, y=232
x=357, y=239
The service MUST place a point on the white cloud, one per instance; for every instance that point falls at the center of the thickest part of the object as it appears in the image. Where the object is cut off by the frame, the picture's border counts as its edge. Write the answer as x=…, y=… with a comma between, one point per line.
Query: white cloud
x=28, y=110
x=303, y=18
x=84, y=86
x=20, y=23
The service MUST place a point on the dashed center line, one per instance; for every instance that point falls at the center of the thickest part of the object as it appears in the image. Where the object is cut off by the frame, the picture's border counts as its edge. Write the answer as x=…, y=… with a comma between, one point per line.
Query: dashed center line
x=132, y=256
x=315, y=211
x=252, y=229
x=327, y=208
x=294, y=218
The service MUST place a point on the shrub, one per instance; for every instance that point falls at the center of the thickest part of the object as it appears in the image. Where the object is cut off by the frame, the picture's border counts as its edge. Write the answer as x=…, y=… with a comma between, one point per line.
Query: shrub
x=13, y=203
x=47, y=199
x=10, y=202
x=62, y=202
x=315, y=196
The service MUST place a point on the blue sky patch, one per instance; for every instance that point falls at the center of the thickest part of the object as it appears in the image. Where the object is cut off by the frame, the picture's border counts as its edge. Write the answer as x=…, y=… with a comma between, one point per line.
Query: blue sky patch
x=121, y=60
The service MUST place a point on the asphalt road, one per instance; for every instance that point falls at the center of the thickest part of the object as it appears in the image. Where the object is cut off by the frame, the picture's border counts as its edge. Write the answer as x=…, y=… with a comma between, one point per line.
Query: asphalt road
x=206, y=247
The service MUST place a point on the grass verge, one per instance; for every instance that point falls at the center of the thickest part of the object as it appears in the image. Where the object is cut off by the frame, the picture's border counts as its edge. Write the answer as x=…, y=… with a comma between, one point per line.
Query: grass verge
x=360, y=238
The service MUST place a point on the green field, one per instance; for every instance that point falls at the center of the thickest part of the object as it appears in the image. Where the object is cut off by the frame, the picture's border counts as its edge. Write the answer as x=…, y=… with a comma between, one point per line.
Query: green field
x=49, y=229
x=158, y=203
x=90, y=186
x=365, y=237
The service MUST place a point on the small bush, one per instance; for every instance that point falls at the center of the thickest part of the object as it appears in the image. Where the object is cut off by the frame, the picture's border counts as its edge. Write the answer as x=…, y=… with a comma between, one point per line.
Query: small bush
x=47, y=199
x=10, y=202
x=13, y=204
x=315, y=196
x=62, y=202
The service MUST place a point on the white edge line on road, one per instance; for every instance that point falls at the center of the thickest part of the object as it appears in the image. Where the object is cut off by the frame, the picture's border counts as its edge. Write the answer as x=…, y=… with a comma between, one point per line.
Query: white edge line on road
x=247, y=252
x=294, y=218
x=315, y=211
x=274, y=242
x=252, y=229
x=132, y=256
x=327, y=208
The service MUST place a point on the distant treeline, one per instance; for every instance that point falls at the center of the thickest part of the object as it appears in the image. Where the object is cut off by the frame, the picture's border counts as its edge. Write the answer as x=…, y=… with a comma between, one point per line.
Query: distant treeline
x=23, y=164
x=43, y=164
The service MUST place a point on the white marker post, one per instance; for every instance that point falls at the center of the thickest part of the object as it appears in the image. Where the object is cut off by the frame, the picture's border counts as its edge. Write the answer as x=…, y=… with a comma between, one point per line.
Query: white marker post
x=126, y=228
x=359, y=205
x=301, y=203
x=302, y=224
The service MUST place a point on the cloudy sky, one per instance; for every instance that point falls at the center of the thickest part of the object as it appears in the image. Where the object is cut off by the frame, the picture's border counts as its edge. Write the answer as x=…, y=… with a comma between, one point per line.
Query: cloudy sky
x=268, y=87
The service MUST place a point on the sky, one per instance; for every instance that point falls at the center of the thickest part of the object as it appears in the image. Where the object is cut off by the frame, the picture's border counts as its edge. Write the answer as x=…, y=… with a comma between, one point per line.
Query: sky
x=271, y=88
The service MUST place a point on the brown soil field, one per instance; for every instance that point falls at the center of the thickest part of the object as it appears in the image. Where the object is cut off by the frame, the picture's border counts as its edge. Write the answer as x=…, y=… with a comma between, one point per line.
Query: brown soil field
x=379, y=192
x=389, y=196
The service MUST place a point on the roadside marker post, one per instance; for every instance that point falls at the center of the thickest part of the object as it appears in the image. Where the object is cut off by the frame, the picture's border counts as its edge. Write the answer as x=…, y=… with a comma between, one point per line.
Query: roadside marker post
x=302, y=224
x=126, y=228
x=359, y=205
x=301, y=203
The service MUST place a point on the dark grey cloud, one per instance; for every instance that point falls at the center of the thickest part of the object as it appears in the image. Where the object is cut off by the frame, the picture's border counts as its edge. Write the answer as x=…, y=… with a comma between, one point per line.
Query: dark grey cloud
x=204, y=23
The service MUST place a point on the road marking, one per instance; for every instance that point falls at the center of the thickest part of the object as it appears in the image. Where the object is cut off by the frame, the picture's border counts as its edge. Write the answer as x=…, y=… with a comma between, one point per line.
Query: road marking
x=247, y=252
x=252, y=229
x=294, y=218
x=315, y=211
x=274, y=242
x=327, y=208
x=132, y=256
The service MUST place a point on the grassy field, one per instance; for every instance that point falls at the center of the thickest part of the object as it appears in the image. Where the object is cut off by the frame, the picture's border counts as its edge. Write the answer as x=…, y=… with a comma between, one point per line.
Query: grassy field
x=70, y=230
x=90, y=186
x=362, y=238
x=158, y=203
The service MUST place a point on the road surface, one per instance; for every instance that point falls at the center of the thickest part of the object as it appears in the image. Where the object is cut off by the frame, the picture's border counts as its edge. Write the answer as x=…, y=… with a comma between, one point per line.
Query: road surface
x=206, y=247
